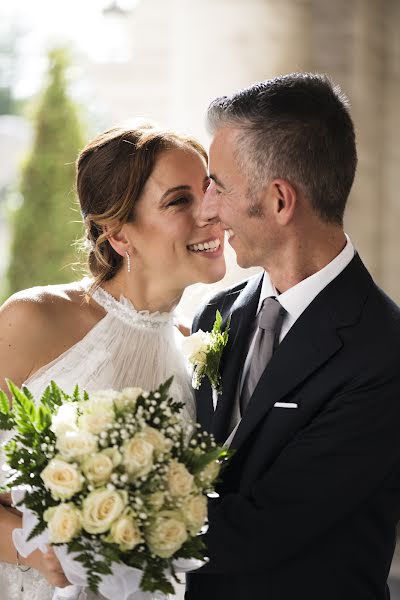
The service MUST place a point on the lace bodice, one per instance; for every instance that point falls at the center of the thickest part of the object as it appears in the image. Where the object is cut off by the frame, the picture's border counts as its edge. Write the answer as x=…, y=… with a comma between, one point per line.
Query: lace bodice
x=125, y=348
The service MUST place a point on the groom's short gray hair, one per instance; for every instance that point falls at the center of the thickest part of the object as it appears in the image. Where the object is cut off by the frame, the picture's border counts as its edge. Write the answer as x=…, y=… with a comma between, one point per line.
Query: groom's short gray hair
x=295, y=127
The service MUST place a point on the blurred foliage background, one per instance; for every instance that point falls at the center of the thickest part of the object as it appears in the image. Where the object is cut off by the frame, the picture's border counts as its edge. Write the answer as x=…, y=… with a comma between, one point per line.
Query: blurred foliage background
x=47, y=223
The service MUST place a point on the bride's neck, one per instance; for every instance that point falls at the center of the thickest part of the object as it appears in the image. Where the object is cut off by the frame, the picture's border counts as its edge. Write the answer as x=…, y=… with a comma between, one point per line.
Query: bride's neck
x=144, y=293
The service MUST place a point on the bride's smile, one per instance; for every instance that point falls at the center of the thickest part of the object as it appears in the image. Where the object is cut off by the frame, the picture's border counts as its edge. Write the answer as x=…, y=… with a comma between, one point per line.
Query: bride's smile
x=212, y=247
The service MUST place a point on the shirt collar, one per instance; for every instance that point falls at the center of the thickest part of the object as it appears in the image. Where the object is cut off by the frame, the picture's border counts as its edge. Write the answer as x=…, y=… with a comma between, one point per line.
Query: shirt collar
x=296, y=299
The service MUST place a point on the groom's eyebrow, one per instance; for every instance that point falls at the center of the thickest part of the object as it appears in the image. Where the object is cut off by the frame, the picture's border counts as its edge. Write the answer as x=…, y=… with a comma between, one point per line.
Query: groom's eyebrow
x=216, y=180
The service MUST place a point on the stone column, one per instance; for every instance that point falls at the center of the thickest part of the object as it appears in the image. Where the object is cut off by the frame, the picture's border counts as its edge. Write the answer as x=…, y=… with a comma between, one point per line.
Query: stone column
x=389, y=202
x=222, y=45
x=364, y=217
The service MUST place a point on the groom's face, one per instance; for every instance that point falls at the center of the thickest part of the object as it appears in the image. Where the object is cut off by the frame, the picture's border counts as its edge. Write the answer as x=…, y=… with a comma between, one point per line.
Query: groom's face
x=244, y=215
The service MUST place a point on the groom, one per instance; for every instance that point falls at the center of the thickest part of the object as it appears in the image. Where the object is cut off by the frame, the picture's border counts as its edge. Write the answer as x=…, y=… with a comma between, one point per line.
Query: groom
x=309, y=503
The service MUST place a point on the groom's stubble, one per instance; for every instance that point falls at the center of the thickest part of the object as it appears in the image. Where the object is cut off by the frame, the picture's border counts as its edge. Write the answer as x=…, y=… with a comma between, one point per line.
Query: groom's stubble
x=255, y=211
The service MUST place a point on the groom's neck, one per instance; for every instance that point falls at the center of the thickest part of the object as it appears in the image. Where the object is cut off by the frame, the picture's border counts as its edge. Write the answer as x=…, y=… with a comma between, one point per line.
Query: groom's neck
x=303, y=253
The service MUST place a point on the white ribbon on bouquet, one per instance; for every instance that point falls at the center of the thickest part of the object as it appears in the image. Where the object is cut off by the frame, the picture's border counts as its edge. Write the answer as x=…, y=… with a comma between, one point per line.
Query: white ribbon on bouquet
x=123, y=583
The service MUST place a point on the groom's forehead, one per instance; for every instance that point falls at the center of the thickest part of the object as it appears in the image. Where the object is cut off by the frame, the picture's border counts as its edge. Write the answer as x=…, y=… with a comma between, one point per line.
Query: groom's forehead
x=223, y=144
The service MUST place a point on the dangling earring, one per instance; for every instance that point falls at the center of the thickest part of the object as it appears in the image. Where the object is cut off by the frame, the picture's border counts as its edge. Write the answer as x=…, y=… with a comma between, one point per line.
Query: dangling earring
x=128, y=256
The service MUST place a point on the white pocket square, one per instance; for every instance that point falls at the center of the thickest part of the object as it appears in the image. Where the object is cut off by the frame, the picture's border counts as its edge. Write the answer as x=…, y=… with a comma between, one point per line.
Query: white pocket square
x=286, y=405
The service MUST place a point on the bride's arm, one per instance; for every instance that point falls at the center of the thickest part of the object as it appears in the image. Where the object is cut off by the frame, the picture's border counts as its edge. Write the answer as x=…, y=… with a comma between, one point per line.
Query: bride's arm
x=20, y=324
x=5, y=500
x=47, y=564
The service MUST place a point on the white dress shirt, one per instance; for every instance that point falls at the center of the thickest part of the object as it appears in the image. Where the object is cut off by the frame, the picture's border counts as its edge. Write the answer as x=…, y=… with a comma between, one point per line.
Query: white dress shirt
x=296, y=299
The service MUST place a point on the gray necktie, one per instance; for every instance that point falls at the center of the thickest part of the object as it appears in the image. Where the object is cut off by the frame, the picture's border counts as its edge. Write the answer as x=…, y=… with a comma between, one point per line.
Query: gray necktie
x=269, y=324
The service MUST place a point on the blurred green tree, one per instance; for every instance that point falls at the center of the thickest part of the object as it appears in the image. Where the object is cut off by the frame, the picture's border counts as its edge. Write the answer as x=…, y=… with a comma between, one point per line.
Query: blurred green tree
x=47, y=223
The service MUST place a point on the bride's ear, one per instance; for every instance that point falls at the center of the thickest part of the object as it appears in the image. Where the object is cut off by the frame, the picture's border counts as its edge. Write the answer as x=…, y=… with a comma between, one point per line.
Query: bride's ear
x=119, y=241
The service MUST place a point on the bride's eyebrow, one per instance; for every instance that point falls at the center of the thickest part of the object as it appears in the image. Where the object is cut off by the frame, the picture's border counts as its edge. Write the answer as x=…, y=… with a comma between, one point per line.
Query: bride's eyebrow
x=178, y=188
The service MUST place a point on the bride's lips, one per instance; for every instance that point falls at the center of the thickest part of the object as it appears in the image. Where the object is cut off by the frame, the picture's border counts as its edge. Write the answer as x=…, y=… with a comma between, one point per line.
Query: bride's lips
x=210, y=248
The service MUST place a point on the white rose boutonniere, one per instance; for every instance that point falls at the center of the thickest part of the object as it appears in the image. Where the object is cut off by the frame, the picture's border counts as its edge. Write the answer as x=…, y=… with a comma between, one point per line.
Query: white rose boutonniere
x=204, y=351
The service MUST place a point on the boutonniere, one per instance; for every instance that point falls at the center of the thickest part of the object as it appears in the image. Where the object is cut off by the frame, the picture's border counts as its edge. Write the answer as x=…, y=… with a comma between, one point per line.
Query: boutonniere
x=204, y=351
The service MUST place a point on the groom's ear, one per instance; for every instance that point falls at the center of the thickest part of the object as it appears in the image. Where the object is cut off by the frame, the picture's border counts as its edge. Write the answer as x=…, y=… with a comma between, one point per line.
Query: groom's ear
x=284, y=199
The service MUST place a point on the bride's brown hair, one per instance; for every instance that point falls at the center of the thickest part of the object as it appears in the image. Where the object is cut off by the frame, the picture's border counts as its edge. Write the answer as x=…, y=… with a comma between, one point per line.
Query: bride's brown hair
x=112, y=170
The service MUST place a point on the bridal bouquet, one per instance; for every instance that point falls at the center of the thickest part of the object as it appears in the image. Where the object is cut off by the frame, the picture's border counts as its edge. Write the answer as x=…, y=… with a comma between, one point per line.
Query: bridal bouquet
x=113, y=478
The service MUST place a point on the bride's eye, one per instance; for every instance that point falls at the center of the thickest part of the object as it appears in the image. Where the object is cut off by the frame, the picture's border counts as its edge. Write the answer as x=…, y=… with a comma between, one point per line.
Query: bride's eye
x=179, y=201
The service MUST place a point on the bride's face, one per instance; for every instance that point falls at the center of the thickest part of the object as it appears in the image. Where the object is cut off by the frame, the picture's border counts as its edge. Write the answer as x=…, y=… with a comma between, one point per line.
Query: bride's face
x=168, y=239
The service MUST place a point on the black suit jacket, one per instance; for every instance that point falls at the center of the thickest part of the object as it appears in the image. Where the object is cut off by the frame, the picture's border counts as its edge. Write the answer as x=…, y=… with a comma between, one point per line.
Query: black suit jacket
x=309, y=503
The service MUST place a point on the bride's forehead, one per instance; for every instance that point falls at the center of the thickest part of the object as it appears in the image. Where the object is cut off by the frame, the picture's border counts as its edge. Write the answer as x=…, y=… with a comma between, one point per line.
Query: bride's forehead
x=176, y=157
x=177, y=162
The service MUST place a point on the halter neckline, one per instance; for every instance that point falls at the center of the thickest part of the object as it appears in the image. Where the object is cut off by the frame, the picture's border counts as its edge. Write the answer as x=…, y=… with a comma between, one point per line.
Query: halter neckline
x=124, y=309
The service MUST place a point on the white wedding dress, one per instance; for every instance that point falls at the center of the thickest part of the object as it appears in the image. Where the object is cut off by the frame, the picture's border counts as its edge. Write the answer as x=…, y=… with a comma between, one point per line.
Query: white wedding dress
x=125, y=348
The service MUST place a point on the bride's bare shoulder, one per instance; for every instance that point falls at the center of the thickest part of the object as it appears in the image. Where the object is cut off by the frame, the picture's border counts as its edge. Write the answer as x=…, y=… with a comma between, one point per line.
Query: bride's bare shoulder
x=40, y=323
x=44, y=303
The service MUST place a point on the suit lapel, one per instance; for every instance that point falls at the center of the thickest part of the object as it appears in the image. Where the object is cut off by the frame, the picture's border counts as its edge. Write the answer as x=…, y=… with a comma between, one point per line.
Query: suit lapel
x=287, y=369
x=242, y=316
x=312, y=341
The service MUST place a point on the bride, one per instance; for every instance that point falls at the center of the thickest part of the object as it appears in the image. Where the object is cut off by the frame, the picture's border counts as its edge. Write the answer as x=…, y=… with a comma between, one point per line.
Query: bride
x=140, y=192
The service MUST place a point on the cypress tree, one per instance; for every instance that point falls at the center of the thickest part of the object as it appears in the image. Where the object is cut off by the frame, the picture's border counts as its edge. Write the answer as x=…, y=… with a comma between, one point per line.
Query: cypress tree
x=47, y=223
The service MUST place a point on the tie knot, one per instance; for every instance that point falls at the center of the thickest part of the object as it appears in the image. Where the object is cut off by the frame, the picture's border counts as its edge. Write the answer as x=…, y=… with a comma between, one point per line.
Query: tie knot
x=270, y=315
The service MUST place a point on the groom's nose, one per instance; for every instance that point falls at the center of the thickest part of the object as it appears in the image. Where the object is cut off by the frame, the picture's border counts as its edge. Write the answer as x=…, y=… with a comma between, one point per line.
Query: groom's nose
x=209, y=206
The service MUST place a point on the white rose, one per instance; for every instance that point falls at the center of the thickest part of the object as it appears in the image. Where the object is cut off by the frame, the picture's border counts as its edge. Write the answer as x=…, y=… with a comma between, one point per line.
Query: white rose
x=65, y=419
x=75, y=445
x=180, y=481
x=125, y=532
x=157, y=439
x=194, y=510
x=137, y=456
x=209, y=474
x=127, y=398
x=101, y=508
x=98, y=467
x=166, y=534
x=62, y=479
x=64, y=523
x=98, y=411
x=156, y=500
x=196, y=347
